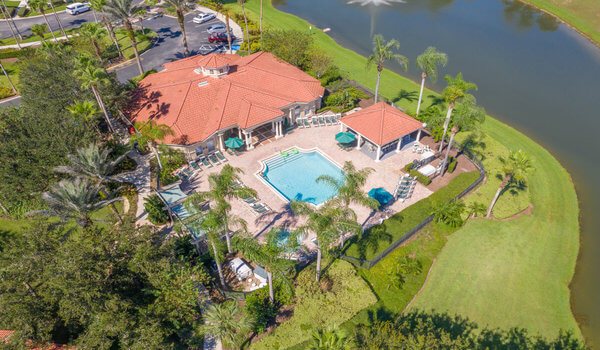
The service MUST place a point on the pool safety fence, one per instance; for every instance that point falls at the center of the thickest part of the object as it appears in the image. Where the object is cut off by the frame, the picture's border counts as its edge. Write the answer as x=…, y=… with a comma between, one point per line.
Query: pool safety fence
x=366, y=263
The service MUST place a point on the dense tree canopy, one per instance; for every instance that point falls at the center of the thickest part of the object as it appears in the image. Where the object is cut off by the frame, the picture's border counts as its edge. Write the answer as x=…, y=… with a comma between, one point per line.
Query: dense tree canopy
x=98, y=288
x=292, y=46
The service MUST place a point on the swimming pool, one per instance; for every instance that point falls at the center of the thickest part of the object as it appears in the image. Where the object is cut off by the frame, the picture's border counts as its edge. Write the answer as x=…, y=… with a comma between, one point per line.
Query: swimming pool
x=293, y=174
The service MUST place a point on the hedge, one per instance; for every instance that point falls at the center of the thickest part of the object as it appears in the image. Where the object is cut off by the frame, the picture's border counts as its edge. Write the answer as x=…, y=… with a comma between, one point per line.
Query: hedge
x=369, y=246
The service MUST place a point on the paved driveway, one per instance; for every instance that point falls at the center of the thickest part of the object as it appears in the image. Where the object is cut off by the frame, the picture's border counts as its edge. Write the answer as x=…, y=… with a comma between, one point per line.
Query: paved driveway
x=24, y=24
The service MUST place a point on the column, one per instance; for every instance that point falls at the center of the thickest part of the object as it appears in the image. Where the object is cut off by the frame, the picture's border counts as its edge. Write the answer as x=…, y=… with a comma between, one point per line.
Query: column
x=240, y=133
x=221, y=144
x=281, y=128
x=378, y=158
x=291, y=116
x=341, y=127
x=419, y=135
x=359, y=141
x=250, y=144
x=399, y=145
x=274, y=128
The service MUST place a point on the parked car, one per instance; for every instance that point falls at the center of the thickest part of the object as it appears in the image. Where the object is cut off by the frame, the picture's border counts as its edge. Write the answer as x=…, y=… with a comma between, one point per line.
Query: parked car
x=216, y=28
x=77, y=8
x=203, y=17
x=219, y=38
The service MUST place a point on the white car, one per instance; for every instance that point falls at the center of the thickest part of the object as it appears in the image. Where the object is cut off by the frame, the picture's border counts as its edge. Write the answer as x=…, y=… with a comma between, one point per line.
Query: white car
x=203, y=17
x=217, y=28
x=77, y=8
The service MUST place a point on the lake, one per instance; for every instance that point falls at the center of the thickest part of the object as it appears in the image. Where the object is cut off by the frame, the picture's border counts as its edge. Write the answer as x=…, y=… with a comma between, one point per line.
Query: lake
x=533, y=73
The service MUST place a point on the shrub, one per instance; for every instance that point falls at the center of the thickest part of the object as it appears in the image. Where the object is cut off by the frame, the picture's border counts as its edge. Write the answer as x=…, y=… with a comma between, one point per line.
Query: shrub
x=23, y=11
x=5, y=92
x=260, y=310
x=172, y=160
x=344, y=99
x=425, y=180
x=317, y=308
x=155, y=207
x=452, y=163
x=291, y=46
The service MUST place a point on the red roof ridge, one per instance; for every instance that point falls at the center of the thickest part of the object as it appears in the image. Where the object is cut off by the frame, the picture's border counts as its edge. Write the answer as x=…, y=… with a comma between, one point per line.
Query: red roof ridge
x=228, y=83
x=183, y=104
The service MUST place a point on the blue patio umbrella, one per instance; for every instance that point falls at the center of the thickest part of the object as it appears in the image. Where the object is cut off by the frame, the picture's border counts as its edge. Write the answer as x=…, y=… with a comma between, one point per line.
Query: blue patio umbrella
x=234, y=142
x=381, y=195
x=345, y=137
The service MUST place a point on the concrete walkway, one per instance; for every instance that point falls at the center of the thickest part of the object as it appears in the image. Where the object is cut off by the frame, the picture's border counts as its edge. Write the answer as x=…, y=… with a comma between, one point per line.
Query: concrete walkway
x=140, y=178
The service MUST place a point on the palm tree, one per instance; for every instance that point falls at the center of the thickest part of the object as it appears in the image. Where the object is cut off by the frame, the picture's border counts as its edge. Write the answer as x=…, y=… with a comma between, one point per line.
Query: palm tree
x=75, y=199
x=98, y=6
x=227, y=323
x=58, y=20
x=428, y=62
x=87, y=111
x=242, y=3
x=223, y=187
x=350, y=189
x=453, y=133
x=260, y=19
x=476, y=209
x=456, y=90
x=93, y=163
x=180, y=7
x=383, y=51
x=328, y=222
x=40, y=5
x=329, y=339
x=39, y=30
x=93, y=77
x=148, y=134
x=514, y=171
x=449, y=213
x=269, y=255
x=212, y=225
x=124, y=10
x=95, y=33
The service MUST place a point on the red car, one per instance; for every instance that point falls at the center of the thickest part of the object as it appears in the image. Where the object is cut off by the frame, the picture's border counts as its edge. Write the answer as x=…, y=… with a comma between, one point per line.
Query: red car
x=219, y=38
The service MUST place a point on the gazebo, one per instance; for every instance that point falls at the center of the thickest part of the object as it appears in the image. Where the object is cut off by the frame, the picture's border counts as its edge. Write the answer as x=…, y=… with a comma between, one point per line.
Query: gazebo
x=383, y=128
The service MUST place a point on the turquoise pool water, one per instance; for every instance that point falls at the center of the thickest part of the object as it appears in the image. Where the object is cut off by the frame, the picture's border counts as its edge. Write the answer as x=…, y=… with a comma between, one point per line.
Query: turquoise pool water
x=294, y=176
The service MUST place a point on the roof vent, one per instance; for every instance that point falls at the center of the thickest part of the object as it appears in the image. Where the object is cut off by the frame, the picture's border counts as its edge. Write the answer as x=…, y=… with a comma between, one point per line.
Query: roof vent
x=202, y=83
x=198, y=70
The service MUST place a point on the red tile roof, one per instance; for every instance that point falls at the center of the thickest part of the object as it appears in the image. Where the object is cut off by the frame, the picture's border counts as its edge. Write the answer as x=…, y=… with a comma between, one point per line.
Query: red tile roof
x=254, y=92
x=382, y=123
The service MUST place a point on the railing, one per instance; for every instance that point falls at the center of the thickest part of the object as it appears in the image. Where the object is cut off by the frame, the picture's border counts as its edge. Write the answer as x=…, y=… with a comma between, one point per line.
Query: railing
x=370, y=263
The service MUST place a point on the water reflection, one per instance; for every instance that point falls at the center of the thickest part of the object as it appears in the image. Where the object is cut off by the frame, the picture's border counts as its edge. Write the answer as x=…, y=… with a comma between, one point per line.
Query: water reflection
x=524, y=16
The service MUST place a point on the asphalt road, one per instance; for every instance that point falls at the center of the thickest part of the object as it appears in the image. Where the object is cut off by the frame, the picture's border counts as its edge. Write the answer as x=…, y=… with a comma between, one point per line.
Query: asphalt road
x=168, y=45
x=24, y=24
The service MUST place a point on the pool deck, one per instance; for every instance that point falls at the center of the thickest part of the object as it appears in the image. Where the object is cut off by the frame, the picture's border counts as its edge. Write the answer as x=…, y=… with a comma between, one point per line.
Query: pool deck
x=386, y=175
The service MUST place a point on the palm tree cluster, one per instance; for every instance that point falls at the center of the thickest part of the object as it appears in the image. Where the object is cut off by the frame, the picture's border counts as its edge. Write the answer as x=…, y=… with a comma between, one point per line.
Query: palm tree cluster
x=90, y=169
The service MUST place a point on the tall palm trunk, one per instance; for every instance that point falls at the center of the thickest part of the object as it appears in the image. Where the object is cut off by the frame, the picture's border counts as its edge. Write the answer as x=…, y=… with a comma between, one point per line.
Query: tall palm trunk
x=228, y=31
x=103, y=108
x=97, y=49
x=423, y=76
x=503, y=184
x=58, y=20
x=379, y=70
x=133, y=40
x=445, y=163
x=219, y=269
x=181, y=20
x=270, y=280
x=14, y=89
x=246, y=27
x=260, y=18
x=446, y=124
x=48, y=24
x=9, y=20
x=228, y=240
x=111, y=32
x=318, y=264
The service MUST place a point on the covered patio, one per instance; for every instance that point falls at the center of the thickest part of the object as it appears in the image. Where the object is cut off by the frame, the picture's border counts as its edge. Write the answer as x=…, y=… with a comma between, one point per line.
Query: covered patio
x=382, y=130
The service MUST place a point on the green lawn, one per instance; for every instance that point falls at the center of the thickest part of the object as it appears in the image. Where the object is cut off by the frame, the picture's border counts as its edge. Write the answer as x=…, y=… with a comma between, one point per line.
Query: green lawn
x=49, y=13
x=499, y=273
x=581, y=14
x=12, y=69
x=126, y=46
x=517, y=272
x=33, y=38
